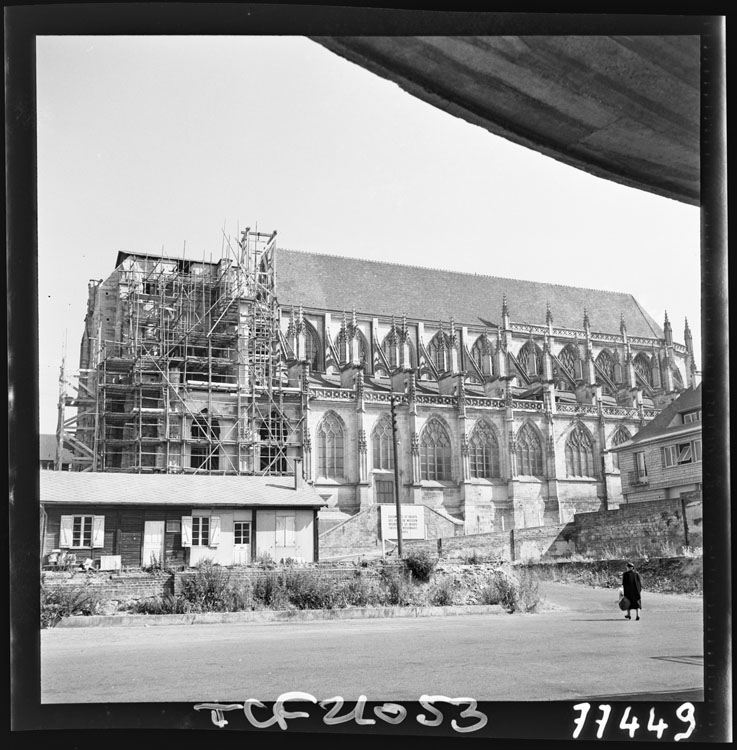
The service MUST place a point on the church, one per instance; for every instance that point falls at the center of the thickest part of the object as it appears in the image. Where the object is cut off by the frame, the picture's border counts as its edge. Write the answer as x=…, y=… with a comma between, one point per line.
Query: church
x=505, y=395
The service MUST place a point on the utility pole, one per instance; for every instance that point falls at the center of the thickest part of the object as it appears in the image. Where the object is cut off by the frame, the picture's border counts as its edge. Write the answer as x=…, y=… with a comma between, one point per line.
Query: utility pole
x=395, y=442
x=60, y=417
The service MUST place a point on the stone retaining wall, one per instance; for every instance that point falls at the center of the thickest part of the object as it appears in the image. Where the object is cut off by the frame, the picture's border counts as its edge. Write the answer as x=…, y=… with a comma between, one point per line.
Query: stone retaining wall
x=633, y=530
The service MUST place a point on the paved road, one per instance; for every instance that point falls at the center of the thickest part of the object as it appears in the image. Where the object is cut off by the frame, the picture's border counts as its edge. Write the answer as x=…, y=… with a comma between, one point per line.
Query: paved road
x=578, y=647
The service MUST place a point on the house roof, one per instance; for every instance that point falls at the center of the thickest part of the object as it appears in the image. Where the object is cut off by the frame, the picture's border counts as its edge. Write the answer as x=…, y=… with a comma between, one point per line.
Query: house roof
x=98, y=488
x=337, y=283
x=47, y=450
x=669, y=421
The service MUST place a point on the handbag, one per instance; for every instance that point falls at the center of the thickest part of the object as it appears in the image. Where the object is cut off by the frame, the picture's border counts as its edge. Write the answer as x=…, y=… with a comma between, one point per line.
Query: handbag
x=624, y=603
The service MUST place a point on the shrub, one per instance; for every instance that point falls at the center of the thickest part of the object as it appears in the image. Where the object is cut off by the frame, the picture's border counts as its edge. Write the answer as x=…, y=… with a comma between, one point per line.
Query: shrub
x=443, y=594
x=58, y=602
x=310, y=590
x=474, y=558
x=359, y=592
x=208, y=590
x=528, y=592
x=396, y=589
x=516, y=593
x=268, y=591
x=420, y=564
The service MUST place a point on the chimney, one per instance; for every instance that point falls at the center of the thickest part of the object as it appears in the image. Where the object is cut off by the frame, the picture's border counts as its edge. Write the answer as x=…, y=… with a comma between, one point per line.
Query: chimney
x=298, y=474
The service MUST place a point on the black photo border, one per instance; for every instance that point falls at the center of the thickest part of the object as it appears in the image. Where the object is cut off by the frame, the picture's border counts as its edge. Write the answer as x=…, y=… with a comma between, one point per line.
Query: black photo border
x=82, y=724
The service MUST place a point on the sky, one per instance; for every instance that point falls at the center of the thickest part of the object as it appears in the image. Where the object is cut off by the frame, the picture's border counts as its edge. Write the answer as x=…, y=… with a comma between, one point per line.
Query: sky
x=171, y=143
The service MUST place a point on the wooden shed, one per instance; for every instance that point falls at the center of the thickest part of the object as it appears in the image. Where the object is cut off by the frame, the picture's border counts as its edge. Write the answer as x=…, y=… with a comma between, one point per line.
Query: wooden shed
x=137, y=520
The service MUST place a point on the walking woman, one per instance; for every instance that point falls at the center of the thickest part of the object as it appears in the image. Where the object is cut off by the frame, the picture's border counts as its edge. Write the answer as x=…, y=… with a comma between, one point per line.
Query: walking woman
x=632, y=586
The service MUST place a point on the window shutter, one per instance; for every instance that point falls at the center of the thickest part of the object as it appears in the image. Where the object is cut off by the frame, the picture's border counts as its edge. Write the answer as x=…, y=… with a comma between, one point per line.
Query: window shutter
x=186, y=531
x=98, y=531
x=662, y=456
x=65, y=531
x=290, y=528
x=214, y=531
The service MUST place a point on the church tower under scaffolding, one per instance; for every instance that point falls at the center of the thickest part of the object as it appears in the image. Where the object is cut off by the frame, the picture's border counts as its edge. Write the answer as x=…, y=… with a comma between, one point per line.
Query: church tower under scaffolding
x=180, y=368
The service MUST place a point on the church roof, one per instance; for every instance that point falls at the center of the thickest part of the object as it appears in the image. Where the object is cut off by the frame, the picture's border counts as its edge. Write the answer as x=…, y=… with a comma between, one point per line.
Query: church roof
x=336, y=283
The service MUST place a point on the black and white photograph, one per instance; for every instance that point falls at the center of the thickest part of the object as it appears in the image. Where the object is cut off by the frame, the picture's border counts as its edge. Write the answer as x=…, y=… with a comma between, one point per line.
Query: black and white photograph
x=367, y=373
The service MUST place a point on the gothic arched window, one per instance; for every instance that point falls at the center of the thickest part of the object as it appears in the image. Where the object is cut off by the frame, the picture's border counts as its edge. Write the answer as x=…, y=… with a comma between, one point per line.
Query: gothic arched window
x=483, y=452
x=382, y=445
x=529, y=452
x=530, y=359
x=605, y=362
x=330, y=447
x=480, y=347
x=439, y=351
x=622, y=435
x=642, y=367
x=580, y=453
x=205, y=453
x=435, y=451
x=567, y=359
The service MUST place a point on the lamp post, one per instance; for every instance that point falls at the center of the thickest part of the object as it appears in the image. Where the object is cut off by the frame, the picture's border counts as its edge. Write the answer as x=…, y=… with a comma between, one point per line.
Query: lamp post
x=395, y=442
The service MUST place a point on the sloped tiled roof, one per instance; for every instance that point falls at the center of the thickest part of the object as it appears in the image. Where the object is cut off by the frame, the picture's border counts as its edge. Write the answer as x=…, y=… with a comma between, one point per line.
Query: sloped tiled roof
x=47, y=450
x=99, y=488
x=668, y=421
x=336, y=283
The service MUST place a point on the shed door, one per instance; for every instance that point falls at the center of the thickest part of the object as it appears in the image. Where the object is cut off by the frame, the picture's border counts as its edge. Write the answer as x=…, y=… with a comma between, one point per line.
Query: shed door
x=241, y=542
x=153, y=543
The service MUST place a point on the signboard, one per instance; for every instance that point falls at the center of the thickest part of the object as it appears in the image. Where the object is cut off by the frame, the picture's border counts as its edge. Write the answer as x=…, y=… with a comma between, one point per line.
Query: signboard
x=413, y=521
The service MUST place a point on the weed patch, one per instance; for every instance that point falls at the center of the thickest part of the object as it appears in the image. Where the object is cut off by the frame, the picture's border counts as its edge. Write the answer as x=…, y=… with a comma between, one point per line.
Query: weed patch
x=60, y=602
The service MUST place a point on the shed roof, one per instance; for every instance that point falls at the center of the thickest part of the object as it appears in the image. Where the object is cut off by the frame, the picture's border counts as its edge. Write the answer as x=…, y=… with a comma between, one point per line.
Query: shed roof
x=98, y=488
x=334, y=282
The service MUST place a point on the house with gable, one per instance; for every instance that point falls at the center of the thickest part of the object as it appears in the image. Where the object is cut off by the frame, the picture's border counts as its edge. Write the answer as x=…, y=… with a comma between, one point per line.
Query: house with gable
x=663, y=460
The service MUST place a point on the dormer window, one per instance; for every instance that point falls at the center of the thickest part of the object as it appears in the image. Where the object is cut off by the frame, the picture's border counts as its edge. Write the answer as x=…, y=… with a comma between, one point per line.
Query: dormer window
x=691, y=416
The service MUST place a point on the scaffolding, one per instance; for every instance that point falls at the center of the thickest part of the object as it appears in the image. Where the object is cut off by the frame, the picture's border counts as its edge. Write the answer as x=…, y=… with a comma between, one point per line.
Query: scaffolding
x=189, y=376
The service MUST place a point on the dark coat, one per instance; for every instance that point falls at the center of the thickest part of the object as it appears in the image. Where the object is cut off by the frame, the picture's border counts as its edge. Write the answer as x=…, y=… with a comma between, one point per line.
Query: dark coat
x=632, y=586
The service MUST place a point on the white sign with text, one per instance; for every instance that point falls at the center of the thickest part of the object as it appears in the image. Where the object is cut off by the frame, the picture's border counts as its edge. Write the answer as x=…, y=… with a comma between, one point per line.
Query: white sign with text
x=413, y=522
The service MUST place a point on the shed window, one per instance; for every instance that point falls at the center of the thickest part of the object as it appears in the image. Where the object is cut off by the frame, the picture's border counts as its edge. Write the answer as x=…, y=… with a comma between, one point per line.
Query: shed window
x=82, y=532
x=200, y=531
x=242, y=532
